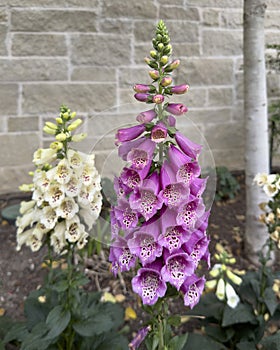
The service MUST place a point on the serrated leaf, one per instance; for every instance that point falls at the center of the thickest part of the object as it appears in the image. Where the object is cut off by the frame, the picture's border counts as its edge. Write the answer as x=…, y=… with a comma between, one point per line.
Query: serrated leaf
x=57, y=320
x=178, y=342
x=241, y=314
x=270, y=300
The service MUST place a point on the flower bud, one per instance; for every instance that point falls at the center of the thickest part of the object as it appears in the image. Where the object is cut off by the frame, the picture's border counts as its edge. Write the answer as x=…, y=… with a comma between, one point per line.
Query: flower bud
x=160, y=46
x=78, y=137
x=154, y=74
x=127, y=134
x=74, y=125
x=172, y=66
x=59, y=120
x=51, y=125
x=158, y=99
x=65, y=116
x=57, y=145
x=220, y=292
x=211, y=284
x=153, y=54
x=234, y=278
x=26, y=187
x=48, y=130
x=144, y=88
x=61, y=137
x=164, y=59
x=180, y=89
x=151, y=63
x=73, y=115
x=171, y=121
x=146, y=117
x=166, y=81
x=176, y=108
x=167, y=50
x=143, y=97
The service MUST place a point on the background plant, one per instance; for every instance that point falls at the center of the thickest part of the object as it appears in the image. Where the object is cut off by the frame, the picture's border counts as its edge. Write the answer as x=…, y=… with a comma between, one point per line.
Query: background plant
x=227, y=185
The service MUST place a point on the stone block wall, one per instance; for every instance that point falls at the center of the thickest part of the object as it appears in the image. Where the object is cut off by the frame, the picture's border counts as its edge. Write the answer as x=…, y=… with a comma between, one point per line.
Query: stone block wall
x=88, y=54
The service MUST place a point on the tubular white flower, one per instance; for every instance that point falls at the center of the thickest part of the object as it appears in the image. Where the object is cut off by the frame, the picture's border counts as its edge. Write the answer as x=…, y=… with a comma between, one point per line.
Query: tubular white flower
x=41, y=180
x=72, y=188
x=260, y=179
x=49, y=217
x=233, y=277
x=232, y=298
x=82, y=241
x=270, y=189
x=44, y=155
x=26, y=206
x=58, y=241
x=38, y=196
x=271, y=178
x=23, y=238
x=74, y=230
x=25, y=220
x=55, y=195
x=215, y=271
x=61, y=173
x=75, y=159
x=67, y=209
x=220, y=291
x=88, y=174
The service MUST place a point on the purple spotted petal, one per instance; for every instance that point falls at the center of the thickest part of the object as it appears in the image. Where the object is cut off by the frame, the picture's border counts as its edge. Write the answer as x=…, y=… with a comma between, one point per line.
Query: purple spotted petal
x=176, y=269
x=192, y=289
x=190, y=148
x=172, y=236
x=145, y=199
x=189, y=213
x=197, y=246
x=126, y=217
x=120, y=256
x=141, y=155
x=120, y=188
x=197, y=187
x=148, y=283
x=127, y=146
x=129, y=179
x=144, y=243
x=173, y=193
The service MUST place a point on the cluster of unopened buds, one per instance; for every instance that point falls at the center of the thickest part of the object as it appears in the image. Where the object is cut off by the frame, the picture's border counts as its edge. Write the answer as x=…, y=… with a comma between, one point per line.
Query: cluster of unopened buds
x=66, y=192
x=223, y=275
x=270, y=184
x=159, y=222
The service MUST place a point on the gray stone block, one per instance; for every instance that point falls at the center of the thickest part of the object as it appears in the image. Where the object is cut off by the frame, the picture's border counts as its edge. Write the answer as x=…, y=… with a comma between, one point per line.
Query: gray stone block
x=128, y=9
x=9, y=99
x=23, y=124
x=94, y=74
x=221, y=43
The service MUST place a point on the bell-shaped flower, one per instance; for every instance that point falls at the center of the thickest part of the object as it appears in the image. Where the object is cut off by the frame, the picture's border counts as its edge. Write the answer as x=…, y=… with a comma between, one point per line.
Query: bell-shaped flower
x=176, y=108
x=91, y=213
x=231, y=296
x=44, y=155
x=192, y=289
x=49, y=217
x=173, y=193
x=89, y=173
x=120, y=188
x=270, y=189
x=159, y=133
x=221, y=289
x=58, y=241
x=147, y=116
x=120, y=255
x=61, y=173
x=144, y=243
x=186, y=167
x=145, y=200
x=131, y=179
x=73, y=186
x=139, y=338
x=197, y=187
x=141, y=156
x=38, y=196
x=41, y=180
x=189, y=213
x=127, y=146
x=82, y=241
x=190, y=148
x=67, y=209
x=176, y=269
x=126, y=217
x=27, y=219
x=197, y=246
x=261, y=179
x=23, y=237
x=74, y=229
x=172, y=235
x=148, y=283
x=128, y=134
x=25, y=206
x=86, y=195
x=75, y=158
x=55, y=195
x=179, y=89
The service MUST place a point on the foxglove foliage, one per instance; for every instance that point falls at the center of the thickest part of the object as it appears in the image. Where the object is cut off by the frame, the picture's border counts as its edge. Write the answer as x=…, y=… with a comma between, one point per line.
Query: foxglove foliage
x=159, y=222
x=66, y=196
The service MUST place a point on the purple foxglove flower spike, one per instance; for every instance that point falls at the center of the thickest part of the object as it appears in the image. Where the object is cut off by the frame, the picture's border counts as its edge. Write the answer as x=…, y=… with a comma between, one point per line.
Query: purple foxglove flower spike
x=127, y=146
x=197, y=187
x=176, y=269
x=189, y=213
x=126, y=217
x=179, y=89
x=190, y=148
x=130, y=179
x=120, y=188
x=192, y=289
x=149, y=284
x=176, y=108
x=144, y=200
x=128, y=134
x=159, y=133
x=172, y=235
x=144, y=243
x=138, y=339
x=196, y=246
x=142, y=154
x=146, y=117
x=173, y=193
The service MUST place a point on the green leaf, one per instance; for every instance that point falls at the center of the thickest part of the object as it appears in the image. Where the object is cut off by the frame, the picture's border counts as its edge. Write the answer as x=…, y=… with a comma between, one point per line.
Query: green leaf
x=2, y=347
x=174, y=320
x=178, y=342
x=17, y=332
x=57, y=320
x=272, y=342
x=270, y=300
x=241, y=314
x=35, y=311
x=100, y=324
x=200, y=342
x=35, y=340
x=246, y=345
x=113, y=341
x=220, y=334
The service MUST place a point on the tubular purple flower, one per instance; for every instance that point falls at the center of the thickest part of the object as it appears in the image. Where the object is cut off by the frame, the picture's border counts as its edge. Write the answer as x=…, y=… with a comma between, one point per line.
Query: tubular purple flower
x=128, y=134
x=176, y=269
x=145, y=200
x=171, y=120
x=127, y=146
x=196, y=246
x=179, y=89
x=158, y=99
x=143, y=88
x=159, y=133
x=146, y=117
x=190, y=148
x=192, y=289
x=138, y=339
x=172, y=235
x=132, y=178
x=189, y=213
x=142, y=154
x=144, y=243
x=176, y=108
x=165, y=81
x=141, y=97
x=197, y=187
x=173, y=193
x=149, y=284
x=126, y=217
